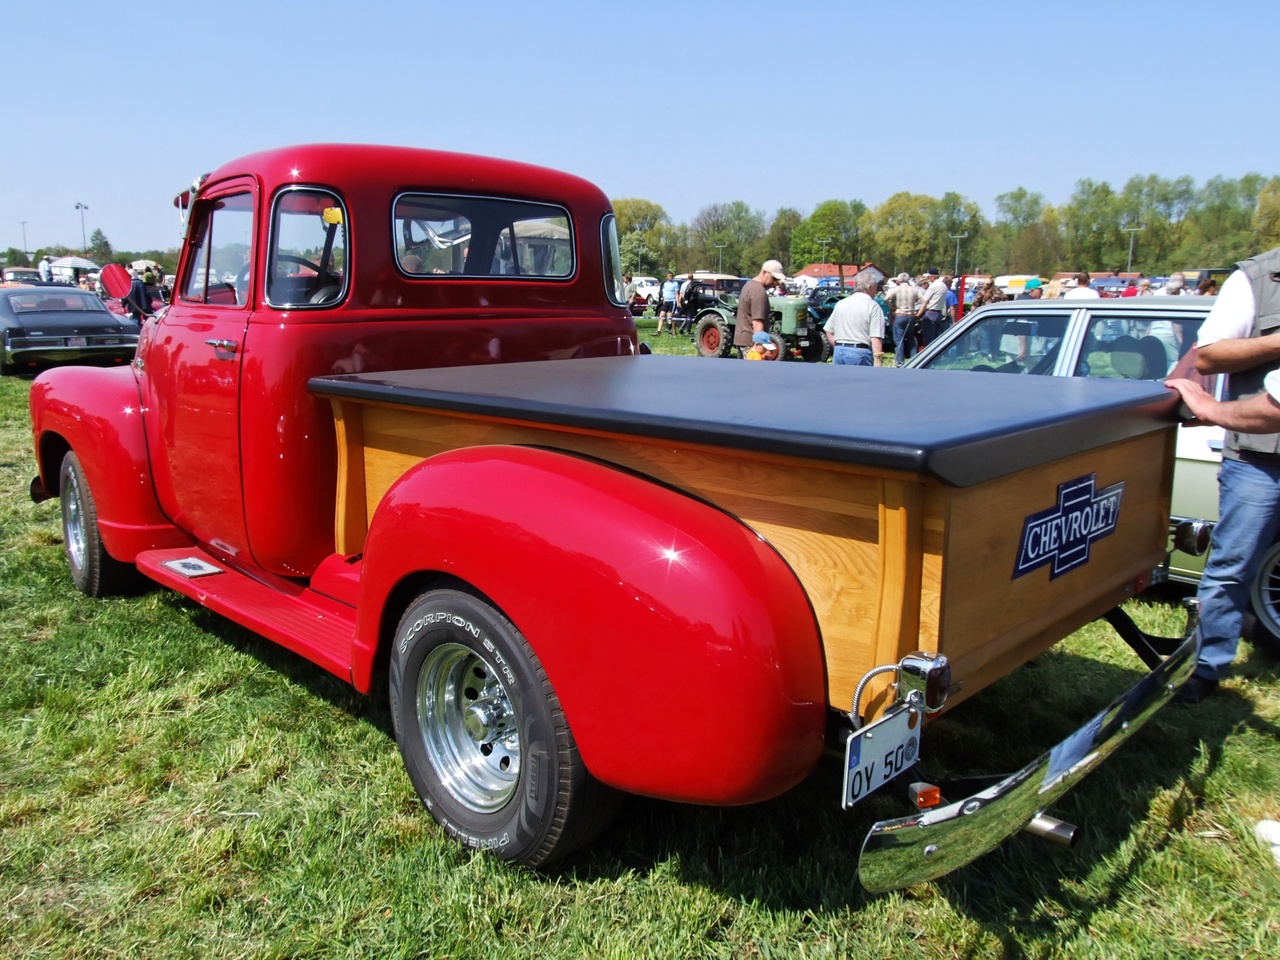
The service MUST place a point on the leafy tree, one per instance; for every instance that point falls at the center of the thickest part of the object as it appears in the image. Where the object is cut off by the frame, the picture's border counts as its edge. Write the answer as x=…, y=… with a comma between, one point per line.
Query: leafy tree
x=1266, y=217
x=903, y=227
x=776, y=243
x=642, y=215
x=13, y=257
x=1091, y=226
x=99, y=247
x=837, y=221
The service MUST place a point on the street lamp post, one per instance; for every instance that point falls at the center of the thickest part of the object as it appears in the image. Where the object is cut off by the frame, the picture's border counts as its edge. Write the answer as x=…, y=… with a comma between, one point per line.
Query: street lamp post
x=84, y=242
x=824, y=241
x=720, y=257
x=1131, y=231
x=24, y=238
x=957, y=237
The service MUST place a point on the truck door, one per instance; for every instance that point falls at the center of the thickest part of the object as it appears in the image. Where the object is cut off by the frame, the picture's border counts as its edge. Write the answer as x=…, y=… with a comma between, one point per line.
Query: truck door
x=192, y=371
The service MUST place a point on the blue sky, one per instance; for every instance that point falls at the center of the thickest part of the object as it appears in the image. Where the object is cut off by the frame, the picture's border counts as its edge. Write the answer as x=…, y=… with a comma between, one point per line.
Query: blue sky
x=682, y=103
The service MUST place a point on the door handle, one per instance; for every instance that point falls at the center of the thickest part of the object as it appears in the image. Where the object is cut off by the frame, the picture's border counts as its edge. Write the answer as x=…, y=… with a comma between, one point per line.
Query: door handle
x=228, y=345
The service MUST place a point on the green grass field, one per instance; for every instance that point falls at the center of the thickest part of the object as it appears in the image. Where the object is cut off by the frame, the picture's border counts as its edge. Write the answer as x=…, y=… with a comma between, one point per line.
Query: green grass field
x=173, y=786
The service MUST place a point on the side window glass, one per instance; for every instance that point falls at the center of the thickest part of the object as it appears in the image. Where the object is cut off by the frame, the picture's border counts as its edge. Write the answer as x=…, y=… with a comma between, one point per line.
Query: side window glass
x=307, y=265
x=218, y=271
x=1005, y=343
x=459, y=236
x=1137, y=348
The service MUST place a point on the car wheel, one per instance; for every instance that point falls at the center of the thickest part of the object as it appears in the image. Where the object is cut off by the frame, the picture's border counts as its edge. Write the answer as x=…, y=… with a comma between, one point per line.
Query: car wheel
x=1264, y=600
x=712, y=335
x=652, y=301
x=483, y=736
x=94, y=571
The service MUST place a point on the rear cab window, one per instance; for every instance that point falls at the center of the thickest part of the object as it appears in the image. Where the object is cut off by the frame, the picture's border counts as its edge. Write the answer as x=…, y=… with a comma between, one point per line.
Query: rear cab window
x=440, y=236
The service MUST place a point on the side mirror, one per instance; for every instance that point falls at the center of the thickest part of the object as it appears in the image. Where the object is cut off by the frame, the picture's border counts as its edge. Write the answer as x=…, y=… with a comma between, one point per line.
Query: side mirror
x=116, y=281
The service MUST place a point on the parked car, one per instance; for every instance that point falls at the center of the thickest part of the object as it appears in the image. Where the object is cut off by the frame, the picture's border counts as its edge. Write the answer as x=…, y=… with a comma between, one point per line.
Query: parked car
x=1142, y=338
x=649, y=288
x=19, y=275
x=51, y=324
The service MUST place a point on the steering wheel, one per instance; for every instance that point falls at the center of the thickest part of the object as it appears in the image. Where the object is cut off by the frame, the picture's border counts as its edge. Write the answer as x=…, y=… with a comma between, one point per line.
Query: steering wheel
x=241, y=284
x=288, y=258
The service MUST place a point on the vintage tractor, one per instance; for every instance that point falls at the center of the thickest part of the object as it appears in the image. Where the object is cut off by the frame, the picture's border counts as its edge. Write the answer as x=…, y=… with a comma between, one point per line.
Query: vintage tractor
x=790, y=327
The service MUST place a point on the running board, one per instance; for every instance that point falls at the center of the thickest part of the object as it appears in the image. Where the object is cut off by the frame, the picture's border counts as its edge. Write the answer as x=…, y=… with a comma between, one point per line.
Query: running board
x=291, y=615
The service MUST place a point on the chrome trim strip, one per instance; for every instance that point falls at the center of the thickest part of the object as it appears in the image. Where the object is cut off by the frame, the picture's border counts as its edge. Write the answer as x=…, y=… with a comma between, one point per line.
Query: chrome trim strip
x=926, y=845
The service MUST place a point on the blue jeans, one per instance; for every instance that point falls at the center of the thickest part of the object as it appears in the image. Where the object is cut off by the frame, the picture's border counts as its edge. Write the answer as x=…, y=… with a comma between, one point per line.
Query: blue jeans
x=1249, y=507
x=903, y=328
x=853, y=356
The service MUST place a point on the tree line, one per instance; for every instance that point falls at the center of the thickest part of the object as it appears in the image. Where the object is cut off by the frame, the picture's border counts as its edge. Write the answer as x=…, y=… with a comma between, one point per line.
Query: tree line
x=1153, y=225
x=1167, y=223
x=100, y=252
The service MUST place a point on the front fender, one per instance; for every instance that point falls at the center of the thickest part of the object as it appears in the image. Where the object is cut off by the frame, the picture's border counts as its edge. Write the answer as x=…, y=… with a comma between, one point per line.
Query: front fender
x=682, y=648
x=97, y=413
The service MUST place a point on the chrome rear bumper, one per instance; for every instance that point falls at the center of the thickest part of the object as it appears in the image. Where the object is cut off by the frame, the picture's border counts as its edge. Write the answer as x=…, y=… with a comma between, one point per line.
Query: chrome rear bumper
x=928, y=844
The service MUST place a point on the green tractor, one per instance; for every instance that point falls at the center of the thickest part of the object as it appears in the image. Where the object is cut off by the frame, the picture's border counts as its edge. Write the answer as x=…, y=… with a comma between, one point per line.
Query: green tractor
x=791, y=327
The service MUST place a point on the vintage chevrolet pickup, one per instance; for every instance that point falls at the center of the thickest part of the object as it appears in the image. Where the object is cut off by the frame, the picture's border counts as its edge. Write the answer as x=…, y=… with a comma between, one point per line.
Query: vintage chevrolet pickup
x=593, y=576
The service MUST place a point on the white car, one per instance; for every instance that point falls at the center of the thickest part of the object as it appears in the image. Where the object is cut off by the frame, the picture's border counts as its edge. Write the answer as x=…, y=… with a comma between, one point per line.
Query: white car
x=649, y=288
x=1144, y=338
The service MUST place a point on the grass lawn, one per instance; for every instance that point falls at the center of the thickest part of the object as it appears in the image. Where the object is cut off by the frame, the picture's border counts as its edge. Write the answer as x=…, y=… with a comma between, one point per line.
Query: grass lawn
x=174, y=786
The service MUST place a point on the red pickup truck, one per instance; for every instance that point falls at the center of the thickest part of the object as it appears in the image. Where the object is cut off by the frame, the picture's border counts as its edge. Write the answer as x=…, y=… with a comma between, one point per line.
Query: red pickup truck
x=608, y=573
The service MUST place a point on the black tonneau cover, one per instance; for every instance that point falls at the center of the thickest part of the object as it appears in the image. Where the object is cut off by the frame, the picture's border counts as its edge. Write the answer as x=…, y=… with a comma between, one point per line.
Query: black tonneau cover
x=961, y=427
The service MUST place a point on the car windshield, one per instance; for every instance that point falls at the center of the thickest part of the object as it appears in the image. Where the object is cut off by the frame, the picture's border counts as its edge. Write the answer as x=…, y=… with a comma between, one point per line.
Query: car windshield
x=1007, y=343
x=55, y=300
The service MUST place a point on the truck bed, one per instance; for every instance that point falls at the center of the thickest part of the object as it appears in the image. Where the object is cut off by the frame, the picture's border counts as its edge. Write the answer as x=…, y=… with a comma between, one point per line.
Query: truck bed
x=898, y=497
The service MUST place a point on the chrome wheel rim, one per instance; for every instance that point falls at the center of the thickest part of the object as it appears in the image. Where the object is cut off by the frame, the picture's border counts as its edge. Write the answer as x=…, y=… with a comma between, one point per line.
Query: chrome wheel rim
x=468, y=727
x=73, y=521
x=1265, y=591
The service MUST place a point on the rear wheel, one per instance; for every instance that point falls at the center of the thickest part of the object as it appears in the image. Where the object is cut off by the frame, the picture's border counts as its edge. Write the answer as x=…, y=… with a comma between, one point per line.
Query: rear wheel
x=1264, y=597
x=93, y=570
x=818, y=350
x=712, y=335
x=483, y=737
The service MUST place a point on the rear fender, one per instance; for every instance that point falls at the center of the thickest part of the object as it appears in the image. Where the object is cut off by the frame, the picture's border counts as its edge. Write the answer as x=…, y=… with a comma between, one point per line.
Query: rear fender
x=97, y=413
x=681, y=646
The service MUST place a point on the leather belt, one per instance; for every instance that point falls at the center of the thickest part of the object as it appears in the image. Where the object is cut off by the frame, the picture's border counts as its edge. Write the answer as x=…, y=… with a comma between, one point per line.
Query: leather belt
x=849, y=343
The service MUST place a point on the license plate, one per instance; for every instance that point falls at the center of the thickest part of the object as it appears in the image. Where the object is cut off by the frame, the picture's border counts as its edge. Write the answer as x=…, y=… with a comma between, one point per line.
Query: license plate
x=77, y=341
x=879, y=752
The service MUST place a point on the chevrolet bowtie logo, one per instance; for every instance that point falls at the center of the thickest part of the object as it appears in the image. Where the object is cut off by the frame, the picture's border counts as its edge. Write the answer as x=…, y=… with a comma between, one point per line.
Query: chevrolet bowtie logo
x=1062, y=534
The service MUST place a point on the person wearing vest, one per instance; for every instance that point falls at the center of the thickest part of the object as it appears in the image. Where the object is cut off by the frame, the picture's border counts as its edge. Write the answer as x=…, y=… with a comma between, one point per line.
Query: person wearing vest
x=1241, y=338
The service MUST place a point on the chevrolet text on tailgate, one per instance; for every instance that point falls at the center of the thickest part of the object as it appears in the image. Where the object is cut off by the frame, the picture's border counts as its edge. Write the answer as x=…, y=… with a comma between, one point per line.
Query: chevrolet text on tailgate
x=344, y=433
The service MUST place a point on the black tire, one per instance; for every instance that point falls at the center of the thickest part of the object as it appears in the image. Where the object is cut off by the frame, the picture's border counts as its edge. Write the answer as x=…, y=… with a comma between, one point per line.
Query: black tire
x=94, y=571
x=712, y=335
x=1264, y=602
x=780, y=351
x=483, y=737
x=818, y=350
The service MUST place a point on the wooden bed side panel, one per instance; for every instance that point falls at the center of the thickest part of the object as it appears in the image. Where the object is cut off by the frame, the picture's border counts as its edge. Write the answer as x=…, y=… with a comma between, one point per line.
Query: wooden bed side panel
x=826, y=520
x=992, y=621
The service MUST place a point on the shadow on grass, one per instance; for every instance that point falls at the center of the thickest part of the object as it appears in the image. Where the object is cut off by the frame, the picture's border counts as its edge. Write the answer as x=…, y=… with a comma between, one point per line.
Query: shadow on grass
x=800, y=851
x=372, y=707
